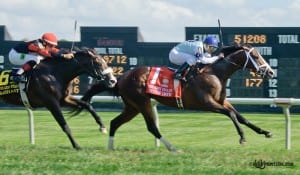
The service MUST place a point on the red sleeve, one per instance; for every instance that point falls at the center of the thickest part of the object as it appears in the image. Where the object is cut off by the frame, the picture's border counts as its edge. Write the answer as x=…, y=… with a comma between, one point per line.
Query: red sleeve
x=54, y=50
x=34, y=48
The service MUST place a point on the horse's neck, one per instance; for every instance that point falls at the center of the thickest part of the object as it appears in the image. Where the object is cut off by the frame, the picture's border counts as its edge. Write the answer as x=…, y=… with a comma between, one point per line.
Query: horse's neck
x=66, y=70
x=223, y=69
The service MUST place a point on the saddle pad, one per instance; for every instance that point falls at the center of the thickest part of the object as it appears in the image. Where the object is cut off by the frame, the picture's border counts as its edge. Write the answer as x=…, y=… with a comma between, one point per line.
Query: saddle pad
x=7, y=86
x=161, y=83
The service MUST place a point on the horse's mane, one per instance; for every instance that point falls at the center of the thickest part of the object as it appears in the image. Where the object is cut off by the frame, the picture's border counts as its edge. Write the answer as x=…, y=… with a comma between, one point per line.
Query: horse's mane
x=85, y=50
x=227, y=50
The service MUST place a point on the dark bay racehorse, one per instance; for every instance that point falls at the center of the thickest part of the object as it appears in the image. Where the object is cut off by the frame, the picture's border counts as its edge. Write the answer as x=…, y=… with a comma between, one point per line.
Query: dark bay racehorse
x=205, y=90
x=49, y=82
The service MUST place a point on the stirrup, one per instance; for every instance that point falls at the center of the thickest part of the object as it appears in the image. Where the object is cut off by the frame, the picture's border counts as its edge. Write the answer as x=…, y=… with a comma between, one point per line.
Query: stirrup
x=177, y=76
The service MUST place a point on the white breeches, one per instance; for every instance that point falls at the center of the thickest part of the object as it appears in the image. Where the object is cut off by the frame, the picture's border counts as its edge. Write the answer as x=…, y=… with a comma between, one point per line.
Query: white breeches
x=21, y=58
x=179, y=58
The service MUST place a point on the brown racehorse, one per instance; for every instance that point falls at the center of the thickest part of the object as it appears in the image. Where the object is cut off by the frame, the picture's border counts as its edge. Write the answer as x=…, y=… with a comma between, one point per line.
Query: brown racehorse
x=205, y=91
x=48, y=85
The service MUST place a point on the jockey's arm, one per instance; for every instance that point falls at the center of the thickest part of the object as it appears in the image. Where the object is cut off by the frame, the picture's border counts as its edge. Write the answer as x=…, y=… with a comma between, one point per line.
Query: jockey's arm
x=63, y=55
x=208, y=60
x=54, y=52
x=42, y=51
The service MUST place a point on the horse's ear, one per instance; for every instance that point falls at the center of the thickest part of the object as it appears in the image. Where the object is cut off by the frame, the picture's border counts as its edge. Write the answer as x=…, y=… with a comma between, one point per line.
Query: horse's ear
x=236, y=44
x=91, y=53
x=246, y=46
x=76, y=49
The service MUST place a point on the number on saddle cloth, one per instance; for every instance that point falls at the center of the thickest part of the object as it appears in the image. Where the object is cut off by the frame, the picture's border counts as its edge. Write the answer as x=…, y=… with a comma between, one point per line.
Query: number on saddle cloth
x=7, y=86
x=10, y=75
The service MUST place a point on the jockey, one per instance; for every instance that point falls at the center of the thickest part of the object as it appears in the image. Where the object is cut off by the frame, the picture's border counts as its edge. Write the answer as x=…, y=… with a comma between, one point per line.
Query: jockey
x=189, y=52
x=31, y=53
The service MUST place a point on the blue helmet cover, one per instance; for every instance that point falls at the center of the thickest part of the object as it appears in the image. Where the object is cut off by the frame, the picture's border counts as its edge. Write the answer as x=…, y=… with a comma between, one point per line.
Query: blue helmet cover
x=211, y=40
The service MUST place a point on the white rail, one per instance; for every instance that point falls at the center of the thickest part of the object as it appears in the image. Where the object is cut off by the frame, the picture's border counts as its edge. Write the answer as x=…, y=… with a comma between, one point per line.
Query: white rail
x=285, y=103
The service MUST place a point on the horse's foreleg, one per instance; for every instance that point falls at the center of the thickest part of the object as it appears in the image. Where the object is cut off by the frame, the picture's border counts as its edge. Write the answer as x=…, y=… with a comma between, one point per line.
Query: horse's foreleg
x=127, y=114
x=95, y=89
x=238, y=128
x=215, y=107
x=97, y=118
x=75, y=103
x=244, y=121
x=67, y=130
x=258, y=130
x=65, y=127
x=56, y=112
x=149, y=117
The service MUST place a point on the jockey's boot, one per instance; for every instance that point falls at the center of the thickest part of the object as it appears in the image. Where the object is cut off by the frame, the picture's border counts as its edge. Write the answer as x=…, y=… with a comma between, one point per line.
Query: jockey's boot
x=19, y=78
x=178, y=74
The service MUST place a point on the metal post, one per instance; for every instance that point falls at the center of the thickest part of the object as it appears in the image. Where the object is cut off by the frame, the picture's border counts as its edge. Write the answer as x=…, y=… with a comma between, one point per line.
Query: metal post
x=31, y=126
x=286, y=111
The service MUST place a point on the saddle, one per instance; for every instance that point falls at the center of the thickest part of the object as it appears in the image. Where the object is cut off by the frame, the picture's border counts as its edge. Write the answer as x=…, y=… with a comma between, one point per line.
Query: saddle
x=192, y=71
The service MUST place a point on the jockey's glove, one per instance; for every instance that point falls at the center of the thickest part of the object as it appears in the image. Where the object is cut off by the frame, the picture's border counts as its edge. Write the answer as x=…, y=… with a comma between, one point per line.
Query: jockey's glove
x=221, y=55
x=68, y=56
x=198, y=55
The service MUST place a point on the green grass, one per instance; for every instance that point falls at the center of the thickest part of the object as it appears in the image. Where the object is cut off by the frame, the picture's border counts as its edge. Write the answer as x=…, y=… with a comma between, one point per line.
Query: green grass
x=208, y=144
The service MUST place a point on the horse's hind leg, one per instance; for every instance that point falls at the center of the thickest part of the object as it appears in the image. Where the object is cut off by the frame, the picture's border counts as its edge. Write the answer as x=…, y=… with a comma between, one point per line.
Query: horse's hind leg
x=128, y=113
x=244, y=121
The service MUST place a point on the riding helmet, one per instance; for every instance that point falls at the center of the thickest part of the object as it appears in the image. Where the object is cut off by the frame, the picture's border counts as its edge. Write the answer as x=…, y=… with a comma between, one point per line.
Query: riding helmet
x=50, y=38
x=211, y=41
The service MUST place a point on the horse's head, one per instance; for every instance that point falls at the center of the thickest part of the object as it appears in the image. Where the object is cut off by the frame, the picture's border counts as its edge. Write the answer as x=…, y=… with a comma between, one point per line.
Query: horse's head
x=249, y=57
x=95, y=66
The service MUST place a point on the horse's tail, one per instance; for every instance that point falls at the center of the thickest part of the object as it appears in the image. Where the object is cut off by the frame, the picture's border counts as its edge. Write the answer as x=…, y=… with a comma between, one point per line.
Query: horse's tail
x=93, y=90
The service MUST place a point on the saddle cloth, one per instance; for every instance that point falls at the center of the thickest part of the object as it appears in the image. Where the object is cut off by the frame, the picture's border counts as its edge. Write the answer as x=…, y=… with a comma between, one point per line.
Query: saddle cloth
x=161, y=83
x=6, y=85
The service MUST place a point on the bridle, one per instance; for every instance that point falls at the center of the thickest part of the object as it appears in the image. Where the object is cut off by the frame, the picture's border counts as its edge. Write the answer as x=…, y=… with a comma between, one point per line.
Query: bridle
x=98, y=74
x=256, y=66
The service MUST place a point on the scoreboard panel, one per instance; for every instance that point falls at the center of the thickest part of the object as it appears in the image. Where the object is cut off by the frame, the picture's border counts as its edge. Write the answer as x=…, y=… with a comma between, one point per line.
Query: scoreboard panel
x=278, y=45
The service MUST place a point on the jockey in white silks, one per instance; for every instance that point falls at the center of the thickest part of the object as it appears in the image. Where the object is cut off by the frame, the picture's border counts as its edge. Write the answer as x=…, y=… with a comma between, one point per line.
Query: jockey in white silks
x=188, y=53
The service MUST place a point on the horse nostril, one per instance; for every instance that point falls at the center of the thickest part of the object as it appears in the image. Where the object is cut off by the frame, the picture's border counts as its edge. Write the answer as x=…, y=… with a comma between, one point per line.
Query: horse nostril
x=113, y=81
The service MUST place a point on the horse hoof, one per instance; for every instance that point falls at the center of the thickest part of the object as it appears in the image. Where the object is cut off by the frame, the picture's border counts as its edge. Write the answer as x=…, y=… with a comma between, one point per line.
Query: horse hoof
x=78, y=148
x=103, y=130
x=111, y=149
x=172, y=149
x=242, y=141
x=269, y=135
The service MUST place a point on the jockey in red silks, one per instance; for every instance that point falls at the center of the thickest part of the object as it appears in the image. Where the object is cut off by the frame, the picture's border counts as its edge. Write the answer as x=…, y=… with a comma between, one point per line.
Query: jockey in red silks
x=32, y=52
x=188, y=53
